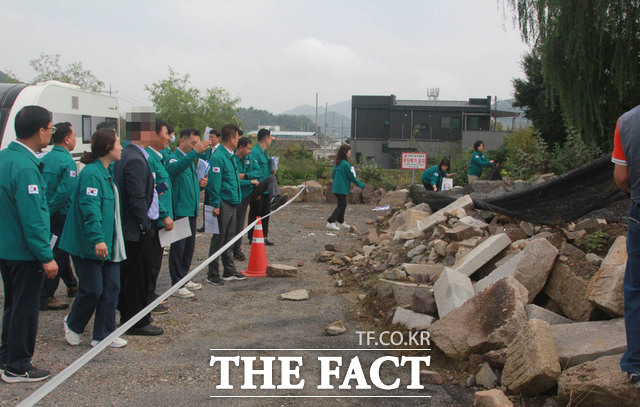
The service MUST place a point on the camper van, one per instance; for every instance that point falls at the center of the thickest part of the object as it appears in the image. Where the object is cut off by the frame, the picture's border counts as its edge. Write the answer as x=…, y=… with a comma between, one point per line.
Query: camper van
x=68, y=103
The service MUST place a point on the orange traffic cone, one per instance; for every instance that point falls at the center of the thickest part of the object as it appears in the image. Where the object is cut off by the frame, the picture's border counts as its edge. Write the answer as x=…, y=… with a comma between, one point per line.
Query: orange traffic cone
x=257, y=266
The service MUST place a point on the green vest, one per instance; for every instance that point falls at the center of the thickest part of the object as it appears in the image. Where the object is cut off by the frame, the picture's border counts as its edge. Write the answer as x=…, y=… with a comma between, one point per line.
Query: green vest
x=224, y=184
x=477, y=163
x=166, y=152
x=246, y=166
x=91, y=219
x=262, y=162
x=343, y=177
x=186, y=188
x=160, y=175
x=60, y=175
x=24, y=213
x=433, y=176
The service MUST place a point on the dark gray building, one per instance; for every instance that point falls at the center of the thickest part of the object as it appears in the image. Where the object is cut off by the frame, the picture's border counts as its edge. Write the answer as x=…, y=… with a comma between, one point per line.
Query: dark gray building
x=383, y=127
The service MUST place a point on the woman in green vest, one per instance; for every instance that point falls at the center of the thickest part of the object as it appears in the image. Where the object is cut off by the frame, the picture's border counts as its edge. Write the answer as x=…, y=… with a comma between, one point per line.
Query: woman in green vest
x=92, y=235
x=342, y=179
x=432, y=176
x=478, y=162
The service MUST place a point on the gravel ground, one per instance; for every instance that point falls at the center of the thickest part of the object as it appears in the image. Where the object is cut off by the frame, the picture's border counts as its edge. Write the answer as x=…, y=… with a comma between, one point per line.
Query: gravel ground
x=173, y=369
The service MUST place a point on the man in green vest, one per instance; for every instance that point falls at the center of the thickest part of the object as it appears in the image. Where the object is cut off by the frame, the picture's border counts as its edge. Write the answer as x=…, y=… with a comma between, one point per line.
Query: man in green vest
x=262, y=207
x=162, y=184
x=25, y=250
x=186, y=199
x=225, y=195
x=214, y=138
x=59, y=173
x=166, y=152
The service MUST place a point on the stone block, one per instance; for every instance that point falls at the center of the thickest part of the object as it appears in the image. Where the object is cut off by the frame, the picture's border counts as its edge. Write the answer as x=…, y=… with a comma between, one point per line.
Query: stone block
x=568, y=290
x=419, y=249
x=370, y=237
x=423, y=273
x=368, y=195
x=586, y=341
x=530, y=267
x=496, y=358
x=515, y=233
x=431, y=377
x=596, y=384
x=295, y=295
x=355, y=195
x=459, y=233
x=412, y=320
x=481, y=254
x=536, y=312
x=314, y=192
x=491, y=398
x=451, y=291
x=292, y=191
x=335, y=328
x=532, y=362
x=591, y=223
x=433, y=220
x=605, y=288
x=474, y=223
x=424, y=303
x=527, y=228
x=281, y=270
x=324, y=256
x=333, y=247
x=490, y=320
x=405, y=219
x=394, y=198
x=402, y=291
x=485, y=376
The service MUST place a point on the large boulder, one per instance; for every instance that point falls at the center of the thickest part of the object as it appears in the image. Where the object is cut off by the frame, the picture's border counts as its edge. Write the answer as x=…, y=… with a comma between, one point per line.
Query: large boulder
x=355, y=195
x=369, y=195
x=329, y=196
x=585, y=341
x=435, y=219
x=423, y=273
x=402, y=291
x=530, y=267
x=482, y=253
x=412, y=320
x=568, y=289
x=532, y=361
x=394, y=198
x=605, y=288
x=292, y=191
x=451, y=291
x=488, y=321
x=314, y=192
x=406, y=220
x=596, y=384
x=491, y=398
x=536, y=312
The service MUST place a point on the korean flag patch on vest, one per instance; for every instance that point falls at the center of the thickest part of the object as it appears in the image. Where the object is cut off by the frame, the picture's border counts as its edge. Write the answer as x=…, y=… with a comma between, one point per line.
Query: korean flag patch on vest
x=215, y=169
x=33, y=189
x=72, y=173
x=92, y=191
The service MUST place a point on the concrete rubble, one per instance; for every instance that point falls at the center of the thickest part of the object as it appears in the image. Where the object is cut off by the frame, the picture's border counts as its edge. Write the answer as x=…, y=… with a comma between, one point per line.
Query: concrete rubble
x=531, y=302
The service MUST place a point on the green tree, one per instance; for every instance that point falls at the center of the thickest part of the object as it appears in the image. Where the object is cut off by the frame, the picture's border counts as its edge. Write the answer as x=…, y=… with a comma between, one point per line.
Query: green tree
x=48, y=67
x=8, y=77
x=540, y=105
x=183, y=105
x=590, y=54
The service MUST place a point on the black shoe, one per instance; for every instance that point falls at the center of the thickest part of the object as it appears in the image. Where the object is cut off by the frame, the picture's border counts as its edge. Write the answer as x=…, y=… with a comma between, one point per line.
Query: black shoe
x=239, y=256
x=268, y=242
x=147, y=330
x=634, y=378
x=278, y=201
x=52, y=304
x=32, y=375
x=160, y=309
x=72, y=291
x=236, y=276
x=200, y=230
x=214, y=280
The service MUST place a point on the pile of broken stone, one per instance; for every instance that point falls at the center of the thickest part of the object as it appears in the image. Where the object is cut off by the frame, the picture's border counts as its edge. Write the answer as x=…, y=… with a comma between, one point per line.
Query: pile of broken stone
x=473, y=279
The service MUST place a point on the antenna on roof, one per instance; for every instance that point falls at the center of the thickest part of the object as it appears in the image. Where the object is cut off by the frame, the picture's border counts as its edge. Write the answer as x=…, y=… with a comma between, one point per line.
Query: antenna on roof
x=433, y=93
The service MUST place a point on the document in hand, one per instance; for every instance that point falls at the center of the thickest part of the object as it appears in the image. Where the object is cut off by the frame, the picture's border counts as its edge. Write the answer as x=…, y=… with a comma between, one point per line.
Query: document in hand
x=353, y=170
x=210, y=221
x=203, y=168
x=274, y=163
x=206, y=133
x=181, y=229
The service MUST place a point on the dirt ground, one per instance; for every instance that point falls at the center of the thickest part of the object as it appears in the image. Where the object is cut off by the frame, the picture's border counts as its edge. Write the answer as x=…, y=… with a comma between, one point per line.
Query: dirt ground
x=242, y=317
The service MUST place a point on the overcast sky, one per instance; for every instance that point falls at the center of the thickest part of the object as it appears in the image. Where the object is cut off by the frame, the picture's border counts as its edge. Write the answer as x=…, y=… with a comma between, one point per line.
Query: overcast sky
x=275, y=55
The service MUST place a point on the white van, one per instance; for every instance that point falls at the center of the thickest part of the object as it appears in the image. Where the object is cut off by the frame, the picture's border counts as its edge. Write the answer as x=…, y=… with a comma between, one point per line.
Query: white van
x=68, y=103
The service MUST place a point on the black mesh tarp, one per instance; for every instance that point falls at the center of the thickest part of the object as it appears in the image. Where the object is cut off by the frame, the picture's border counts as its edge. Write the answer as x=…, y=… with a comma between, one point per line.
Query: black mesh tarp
x=563, y=198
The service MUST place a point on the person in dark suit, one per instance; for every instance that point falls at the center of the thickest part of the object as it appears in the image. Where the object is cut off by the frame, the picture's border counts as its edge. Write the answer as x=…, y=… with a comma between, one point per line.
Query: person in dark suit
x=140, y=212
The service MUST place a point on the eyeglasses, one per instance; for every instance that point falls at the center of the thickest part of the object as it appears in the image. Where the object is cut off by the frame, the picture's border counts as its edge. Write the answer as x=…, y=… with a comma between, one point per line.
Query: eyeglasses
x=52, y=128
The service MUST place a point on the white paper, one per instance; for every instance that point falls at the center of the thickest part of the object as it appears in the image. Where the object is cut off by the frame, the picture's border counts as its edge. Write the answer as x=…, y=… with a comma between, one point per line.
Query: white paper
x=54, y=239
x=206, y=133
x=447, y=184
x=353, y=170
x=181, y=229
x=210, y=221
x=381, y=208
x=203, y=168
x=274, y=163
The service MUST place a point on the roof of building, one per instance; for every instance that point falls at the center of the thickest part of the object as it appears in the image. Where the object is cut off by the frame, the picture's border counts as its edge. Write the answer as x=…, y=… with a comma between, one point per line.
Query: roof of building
x=300, y=134
x=431, y=103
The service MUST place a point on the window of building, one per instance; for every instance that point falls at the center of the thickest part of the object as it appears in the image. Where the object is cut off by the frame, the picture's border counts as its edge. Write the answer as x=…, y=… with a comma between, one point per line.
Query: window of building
x=385, y=147
x=447, y=122
x=358, y=158
x=473, y=123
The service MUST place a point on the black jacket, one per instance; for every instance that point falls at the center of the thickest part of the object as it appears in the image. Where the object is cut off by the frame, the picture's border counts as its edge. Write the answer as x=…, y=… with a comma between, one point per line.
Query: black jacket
x=133, y=176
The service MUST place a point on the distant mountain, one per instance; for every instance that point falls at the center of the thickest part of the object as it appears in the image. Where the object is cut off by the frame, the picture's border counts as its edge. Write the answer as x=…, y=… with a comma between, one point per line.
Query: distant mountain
x=342, y=110
x=508, y=122
x=252, y=118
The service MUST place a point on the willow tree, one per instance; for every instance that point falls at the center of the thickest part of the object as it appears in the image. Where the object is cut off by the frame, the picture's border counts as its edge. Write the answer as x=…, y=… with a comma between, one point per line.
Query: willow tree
x=590, y=53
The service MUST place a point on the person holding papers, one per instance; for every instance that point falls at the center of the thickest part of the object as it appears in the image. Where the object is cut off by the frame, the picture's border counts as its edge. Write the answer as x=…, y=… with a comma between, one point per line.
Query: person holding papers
x=162, y=184
x=186, y=199
x=214, y=138
x=93, y=236
x=342, y=179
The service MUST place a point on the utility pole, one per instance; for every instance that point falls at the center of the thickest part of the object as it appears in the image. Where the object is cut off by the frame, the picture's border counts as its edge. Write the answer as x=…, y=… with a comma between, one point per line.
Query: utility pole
x=342, y=131
x=326, y=113
x=317, y=128
x=333, y=131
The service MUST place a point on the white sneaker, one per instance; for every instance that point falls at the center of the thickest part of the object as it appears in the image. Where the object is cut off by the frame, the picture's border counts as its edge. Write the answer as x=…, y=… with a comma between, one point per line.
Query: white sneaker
x=193, y=286
x=332, y=226
x=117, y=343
x=344, y=225
x=183, y=293
x=71, y=337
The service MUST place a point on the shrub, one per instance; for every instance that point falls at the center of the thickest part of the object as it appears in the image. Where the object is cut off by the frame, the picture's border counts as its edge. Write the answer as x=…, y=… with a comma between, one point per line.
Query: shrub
x=526, y=154
x=573, y=153
x=596, y=241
